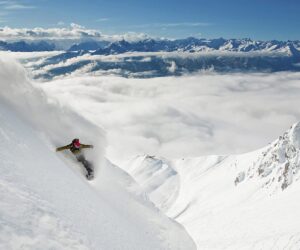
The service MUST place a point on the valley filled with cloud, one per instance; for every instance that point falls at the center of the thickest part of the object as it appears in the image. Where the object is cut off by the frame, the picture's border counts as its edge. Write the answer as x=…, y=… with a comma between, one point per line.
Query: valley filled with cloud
x=175, y=117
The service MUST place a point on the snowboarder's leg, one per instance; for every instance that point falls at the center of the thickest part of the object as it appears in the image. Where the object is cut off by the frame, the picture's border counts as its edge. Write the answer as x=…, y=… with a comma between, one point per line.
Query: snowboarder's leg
x=88, y=166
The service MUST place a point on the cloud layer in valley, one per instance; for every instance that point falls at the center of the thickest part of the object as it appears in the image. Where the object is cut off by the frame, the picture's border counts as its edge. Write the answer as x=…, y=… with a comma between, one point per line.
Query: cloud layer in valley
x=185, y=116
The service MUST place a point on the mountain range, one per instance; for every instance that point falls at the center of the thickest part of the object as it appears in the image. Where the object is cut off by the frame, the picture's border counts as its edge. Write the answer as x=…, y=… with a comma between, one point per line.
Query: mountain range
x=25, y=46
x=193, y=45
x=157, y=57
x=189, y=44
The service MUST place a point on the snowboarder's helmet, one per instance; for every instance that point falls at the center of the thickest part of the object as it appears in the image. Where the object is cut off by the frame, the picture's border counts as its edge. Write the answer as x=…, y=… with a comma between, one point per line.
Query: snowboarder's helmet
x=76, y=143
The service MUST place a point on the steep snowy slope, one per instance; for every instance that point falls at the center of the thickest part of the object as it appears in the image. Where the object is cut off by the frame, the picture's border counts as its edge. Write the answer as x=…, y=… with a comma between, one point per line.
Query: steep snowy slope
x=157, y=178
x=46, y=203
x=247, y=201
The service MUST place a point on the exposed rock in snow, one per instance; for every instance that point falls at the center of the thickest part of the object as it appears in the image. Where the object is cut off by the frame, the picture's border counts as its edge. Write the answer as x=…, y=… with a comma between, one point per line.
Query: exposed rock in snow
x=240, y=177
x=279, y=163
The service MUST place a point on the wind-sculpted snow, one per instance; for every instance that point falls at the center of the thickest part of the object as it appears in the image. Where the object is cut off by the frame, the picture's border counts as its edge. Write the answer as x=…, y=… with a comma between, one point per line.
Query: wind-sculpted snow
x=46, y=202
x=159, y=180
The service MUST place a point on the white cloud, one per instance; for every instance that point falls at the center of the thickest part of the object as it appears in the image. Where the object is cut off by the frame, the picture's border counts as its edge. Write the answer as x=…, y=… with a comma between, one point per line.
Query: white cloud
x=185, y=116
x=74, y=31
x=129, y=36
x=77, y=26
x=172, y=67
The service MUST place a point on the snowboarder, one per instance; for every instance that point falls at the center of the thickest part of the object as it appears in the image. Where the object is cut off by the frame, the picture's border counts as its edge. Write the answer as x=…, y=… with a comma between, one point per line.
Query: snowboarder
x=76, y=148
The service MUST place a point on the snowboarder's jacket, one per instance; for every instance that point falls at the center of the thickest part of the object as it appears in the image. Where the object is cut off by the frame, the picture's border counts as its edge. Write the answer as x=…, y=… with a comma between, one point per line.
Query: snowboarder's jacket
x=73, y=149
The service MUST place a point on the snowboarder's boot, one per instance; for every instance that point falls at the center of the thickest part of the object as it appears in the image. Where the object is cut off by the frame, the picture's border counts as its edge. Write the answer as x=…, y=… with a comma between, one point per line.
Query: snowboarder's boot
x=90, y=176
x=90, y=172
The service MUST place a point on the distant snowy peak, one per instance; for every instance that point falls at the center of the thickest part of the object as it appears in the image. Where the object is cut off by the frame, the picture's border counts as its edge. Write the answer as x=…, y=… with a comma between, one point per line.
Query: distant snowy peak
x=194, y=45
x=88, y=45
x=22, y=46
x=147, y=45
x=279, y=164
x=291, y=50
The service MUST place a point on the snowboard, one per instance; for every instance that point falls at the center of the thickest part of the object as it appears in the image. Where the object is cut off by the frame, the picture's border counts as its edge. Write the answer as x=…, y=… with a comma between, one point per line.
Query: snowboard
x=90, y=175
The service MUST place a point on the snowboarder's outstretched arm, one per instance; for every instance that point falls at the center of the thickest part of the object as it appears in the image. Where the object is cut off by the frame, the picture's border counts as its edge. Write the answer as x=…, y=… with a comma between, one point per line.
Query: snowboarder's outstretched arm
x=64, y=147
x=86, y=146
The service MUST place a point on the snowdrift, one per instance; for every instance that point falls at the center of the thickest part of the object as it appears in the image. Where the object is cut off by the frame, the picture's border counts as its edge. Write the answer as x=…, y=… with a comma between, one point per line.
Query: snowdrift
x=247, y=201
x=46, y=203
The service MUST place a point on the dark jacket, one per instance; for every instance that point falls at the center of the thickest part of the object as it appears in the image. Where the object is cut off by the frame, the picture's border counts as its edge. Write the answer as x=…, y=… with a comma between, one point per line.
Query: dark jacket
x=73, y=149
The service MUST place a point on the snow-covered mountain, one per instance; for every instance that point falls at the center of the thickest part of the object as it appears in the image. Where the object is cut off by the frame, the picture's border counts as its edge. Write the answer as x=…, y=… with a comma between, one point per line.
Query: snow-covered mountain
x=88, y=45
x=46, y=202
x=190, y=44
x=193, y=44
x=23, y=46
x=157, y=57
x=243, y=201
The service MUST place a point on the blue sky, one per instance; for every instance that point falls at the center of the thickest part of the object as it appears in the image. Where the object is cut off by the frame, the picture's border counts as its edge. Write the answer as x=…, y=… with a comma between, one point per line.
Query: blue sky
x=256, y=19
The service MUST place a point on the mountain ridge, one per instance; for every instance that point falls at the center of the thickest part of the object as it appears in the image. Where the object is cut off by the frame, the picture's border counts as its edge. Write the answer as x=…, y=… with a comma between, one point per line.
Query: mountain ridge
x=223, y=199
x=190, y=44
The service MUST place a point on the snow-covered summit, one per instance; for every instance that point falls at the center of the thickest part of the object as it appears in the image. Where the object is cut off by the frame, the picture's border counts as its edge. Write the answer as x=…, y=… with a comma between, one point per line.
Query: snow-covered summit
x=194, y=44
x=189, y=44
x=278, y=165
